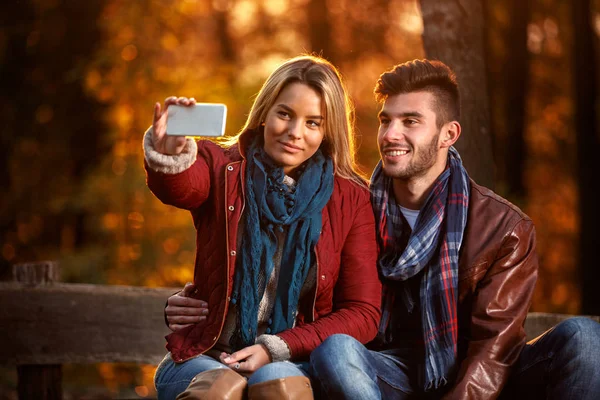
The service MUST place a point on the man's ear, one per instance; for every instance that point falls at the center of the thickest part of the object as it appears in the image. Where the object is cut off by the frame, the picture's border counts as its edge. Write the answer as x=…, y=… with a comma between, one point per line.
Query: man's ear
x=450, y=134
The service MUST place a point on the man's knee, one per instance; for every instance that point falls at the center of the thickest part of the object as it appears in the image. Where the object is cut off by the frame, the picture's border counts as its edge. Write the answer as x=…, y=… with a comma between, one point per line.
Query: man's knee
x=336, y=348
x=581, y=336
x=343, y=368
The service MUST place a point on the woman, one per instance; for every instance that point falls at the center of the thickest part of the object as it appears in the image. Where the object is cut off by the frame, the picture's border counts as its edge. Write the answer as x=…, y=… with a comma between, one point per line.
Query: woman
x=286, y=251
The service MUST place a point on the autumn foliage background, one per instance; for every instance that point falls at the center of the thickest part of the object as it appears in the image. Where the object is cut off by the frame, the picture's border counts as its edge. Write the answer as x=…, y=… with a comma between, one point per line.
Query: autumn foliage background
x=79, y=80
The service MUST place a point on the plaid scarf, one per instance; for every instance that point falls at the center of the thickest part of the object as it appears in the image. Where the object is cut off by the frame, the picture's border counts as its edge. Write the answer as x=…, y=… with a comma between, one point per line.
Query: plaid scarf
x=432, y=248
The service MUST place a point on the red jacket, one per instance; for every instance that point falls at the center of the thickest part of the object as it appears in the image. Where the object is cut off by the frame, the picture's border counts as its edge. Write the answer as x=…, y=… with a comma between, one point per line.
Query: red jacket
x=347, y=295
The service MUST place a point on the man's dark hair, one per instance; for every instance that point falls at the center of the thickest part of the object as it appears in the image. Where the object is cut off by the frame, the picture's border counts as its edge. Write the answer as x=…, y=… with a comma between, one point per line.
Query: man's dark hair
x=430, y=76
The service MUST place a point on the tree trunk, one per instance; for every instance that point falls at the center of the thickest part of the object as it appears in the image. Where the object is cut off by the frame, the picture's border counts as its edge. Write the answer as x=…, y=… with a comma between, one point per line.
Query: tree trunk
x=453, y=34
x=227, y=47
x=516, y=79
x=588, y=148
x=319, y=30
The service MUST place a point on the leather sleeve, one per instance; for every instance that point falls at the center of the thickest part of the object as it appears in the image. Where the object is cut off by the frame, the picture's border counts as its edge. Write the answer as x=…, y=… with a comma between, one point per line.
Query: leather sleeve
x=499, y=309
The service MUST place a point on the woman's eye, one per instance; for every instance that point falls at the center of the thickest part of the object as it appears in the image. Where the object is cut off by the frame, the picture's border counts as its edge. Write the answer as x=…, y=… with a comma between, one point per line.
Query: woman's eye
x=283, y=114
x=313, y=124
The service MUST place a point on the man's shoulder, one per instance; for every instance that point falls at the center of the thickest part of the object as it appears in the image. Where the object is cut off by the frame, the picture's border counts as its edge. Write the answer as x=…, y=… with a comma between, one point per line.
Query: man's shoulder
x=483, y=199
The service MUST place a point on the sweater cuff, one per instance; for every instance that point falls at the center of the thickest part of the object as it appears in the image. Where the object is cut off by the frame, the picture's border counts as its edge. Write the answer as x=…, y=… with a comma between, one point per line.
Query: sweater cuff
x=169, y=164
x=277, y=347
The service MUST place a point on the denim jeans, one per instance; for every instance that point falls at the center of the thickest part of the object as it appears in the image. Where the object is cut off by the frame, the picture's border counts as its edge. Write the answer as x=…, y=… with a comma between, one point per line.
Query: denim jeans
x=171, y=378
x=345, y=369
x=563, y=363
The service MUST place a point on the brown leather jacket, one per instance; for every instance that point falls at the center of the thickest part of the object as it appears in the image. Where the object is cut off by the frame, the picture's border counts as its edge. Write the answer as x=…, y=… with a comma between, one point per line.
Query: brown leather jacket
x=497, y=274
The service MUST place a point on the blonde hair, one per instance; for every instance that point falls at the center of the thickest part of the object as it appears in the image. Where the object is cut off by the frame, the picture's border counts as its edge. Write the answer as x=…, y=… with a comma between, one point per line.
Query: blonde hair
x=319, y=74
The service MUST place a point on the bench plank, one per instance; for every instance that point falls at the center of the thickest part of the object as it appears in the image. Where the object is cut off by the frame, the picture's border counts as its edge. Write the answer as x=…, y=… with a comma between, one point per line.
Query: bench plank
x=81, y=323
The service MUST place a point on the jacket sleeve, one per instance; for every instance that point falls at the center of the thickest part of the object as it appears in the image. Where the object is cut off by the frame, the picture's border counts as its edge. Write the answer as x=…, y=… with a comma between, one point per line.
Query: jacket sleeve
x=498, y=315
x=181, y=180
x=356, y=295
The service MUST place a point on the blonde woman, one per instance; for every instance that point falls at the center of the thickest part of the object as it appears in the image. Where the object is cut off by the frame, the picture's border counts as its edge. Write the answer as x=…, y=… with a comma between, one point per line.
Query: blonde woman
x=286, y=250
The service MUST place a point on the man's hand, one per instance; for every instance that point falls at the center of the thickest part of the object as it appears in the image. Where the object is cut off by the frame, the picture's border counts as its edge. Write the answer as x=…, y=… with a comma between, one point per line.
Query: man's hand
x=182, y=310
x=248, y=359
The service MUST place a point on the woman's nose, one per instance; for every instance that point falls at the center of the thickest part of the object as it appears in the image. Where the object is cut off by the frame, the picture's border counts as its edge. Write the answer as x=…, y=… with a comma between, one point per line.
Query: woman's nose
x=294, y=129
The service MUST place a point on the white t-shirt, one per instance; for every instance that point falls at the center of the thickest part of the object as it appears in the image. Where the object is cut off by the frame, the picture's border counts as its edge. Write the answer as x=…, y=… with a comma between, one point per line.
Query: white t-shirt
x=410, y=215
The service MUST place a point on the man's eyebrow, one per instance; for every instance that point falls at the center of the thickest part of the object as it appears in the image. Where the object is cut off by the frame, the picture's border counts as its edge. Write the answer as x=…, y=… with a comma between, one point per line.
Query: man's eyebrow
x=289, y=109
x=405, y=114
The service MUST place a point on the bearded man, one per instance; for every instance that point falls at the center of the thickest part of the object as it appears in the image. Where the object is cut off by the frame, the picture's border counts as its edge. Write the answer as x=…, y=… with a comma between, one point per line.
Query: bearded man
x=459, y=267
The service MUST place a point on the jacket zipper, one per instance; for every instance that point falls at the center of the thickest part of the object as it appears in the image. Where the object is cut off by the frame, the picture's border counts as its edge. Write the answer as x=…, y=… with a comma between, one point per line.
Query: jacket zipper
x=316, y=285
x=228, y=262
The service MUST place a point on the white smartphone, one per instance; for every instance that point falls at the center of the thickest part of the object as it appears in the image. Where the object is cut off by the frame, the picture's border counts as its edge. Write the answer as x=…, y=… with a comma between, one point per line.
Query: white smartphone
x=202, y=119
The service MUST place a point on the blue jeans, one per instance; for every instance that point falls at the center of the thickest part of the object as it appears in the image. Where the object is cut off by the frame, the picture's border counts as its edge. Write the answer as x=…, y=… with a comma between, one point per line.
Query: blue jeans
x=171, y=378
x=563, y=363
x=343, y=368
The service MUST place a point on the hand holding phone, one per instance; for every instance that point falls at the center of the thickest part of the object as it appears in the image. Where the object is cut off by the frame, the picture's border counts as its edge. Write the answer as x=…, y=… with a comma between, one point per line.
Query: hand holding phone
x=173, y=144
x=169, y=145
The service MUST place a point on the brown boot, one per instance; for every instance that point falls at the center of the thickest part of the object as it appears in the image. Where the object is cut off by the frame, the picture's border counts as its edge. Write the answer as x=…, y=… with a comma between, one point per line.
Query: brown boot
x=290, y=388
x=215, y=384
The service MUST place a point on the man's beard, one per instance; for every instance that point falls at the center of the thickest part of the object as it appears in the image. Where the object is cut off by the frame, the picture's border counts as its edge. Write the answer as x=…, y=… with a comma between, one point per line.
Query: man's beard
x=425, y=159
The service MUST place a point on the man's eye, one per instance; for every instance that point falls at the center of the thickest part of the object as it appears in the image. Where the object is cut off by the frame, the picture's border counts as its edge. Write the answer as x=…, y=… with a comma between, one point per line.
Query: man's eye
x=384, y=121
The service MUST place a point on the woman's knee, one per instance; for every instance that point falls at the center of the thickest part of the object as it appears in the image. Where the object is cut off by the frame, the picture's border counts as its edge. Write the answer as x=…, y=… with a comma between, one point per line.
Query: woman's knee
x=275, y=370
x=170, y=372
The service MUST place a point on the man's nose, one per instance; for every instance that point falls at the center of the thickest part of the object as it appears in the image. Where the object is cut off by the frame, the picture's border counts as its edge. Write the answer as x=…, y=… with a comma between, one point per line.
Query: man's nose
x=393, y=132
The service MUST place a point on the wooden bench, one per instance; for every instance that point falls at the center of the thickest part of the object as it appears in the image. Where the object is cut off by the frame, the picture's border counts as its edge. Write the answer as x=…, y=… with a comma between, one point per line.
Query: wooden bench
x=46, y=324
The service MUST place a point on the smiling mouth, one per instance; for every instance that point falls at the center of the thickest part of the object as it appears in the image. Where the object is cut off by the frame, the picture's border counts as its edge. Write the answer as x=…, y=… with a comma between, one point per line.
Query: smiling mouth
x=394, y=153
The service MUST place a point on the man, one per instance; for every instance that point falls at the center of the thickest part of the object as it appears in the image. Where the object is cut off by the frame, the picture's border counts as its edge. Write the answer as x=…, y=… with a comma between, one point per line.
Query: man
x=459, y=268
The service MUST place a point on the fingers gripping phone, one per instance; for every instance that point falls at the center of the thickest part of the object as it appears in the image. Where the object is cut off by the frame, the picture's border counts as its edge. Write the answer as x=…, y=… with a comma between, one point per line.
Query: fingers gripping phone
x=202, y=119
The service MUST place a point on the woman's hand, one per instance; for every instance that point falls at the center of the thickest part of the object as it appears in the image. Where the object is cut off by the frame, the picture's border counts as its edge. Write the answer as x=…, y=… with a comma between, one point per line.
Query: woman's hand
x=182, y=310
x=163, y=143
x=248, y=359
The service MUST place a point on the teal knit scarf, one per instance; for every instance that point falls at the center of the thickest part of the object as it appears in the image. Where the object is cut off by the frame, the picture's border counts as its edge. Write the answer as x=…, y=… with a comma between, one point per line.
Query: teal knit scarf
x=270, y=206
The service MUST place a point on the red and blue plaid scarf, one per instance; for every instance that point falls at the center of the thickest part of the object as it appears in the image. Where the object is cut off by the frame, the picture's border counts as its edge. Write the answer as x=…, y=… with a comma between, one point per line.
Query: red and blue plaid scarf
x=433, y=248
